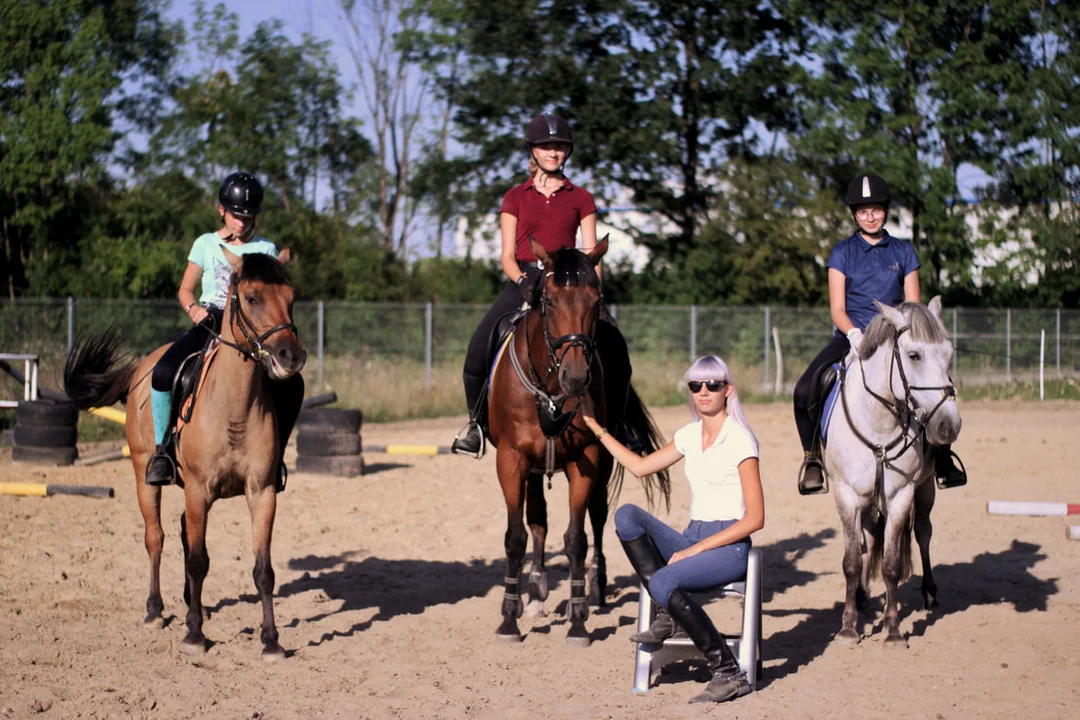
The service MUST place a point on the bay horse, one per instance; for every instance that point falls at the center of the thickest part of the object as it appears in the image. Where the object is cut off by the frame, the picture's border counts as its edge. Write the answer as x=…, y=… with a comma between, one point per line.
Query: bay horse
x=898, y=402
x=231, y=444
x=527, y=406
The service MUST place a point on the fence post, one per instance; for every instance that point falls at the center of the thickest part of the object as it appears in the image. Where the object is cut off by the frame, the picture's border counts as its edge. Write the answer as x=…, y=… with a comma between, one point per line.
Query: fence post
x=427, y=344
x=1008, y=343
x=1057, y=341
x=320, y=334
x=955, y=339
x=693, y=333
x=70, y=323
x=768, y=323
x=1042, y=360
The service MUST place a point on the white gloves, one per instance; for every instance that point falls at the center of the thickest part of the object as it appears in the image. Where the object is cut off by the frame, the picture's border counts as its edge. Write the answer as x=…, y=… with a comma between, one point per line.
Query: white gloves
x=854, y=337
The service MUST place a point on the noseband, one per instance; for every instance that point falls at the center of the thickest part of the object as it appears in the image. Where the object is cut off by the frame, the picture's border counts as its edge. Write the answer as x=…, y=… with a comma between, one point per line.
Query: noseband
x=903, y=412
x=254, y=349
x=564, y=342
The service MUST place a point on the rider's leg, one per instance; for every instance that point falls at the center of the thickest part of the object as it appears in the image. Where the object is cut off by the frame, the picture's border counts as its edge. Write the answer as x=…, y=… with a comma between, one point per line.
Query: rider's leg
x=470, y=441
x=811, y=477
x=945, y=469
x=161, y=470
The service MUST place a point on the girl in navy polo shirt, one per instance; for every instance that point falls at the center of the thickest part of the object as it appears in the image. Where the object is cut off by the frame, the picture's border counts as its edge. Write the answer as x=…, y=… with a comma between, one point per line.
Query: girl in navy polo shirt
x=551, y=209
x=726, y=506
x=870, y=265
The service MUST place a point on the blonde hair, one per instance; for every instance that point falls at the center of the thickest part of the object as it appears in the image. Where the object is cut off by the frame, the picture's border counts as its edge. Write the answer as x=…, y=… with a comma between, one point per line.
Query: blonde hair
x=533, y=167
x=710, y=367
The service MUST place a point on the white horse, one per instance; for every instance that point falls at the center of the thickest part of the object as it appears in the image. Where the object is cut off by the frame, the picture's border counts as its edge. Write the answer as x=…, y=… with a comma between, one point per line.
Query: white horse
x=897, y=401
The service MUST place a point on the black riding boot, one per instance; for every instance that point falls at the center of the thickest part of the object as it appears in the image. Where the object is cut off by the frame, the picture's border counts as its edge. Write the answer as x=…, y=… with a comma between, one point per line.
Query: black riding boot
x=948, y=475
x=470, y=441
x=728, y=680
x=811, y=475
x=646, y=560
x=160, y=469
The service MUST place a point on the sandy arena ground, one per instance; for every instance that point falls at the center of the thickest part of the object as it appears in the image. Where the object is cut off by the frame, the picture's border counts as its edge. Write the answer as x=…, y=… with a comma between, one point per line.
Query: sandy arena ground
x=388, y=596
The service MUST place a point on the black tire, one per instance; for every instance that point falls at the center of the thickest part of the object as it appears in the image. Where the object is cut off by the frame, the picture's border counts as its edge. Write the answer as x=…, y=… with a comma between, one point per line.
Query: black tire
x=337, y=420
x=328, y=444
x=340, y=465
x=44, y=456
x=51, y=436
x=39, y=413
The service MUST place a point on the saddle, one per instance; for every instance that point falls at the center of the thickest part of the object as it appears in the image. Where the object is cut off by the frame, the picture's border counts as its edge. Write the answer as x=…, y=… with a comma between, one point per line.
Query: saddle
x=823, y=395
x=189, y=378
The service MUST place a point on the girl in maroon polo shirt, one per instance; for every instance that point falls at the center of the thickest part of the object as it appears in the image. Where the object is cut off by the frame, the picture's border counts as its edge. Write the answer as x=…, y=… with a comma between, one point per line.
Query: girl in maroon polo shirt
x=551, y=209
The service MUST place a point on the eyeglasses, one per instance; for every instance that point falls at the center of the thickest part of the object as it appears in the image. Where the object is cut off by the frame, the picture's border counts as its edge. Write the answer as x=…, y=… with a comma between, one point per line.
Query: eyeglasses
x=713, y=385
x=867, y=213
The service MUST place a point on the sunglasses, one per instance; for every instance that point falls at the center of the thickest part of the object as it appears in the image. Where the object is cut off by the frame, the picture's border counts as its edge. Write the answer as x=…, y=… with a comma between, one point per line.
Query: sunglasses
x=713, y=385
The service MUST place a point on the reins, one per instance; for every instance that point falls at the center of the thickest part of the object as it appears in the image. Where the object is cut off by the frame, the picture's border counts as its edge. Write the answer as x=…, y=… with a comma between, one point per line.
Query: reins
x=254, y=351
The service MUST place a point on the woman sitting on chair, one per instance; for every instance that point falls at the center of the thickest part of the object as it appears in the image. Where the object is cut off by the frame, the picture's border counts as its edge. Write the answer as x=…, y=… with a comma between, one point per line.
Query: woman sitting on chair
x=726, y=506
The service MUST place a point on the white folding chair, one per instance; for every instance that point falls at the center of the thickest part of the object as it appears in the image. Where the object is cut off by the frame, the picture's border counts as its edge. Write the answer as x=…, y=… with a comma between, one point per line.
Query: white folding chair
x=746, y=645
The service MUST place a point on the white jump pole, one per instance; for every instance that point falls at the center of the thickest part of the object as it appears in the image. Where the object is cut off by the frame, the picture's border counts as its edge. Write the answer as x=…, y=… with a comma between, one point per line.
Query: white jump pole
x=1031, y=508
x=1042, y=361
x=1072, y=532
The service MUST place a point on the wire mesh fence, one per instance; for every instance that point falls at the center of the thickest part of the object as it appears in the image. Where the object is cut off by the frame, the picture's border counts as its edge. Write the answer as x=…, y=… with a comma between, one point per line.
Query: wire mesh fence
x=416, y=349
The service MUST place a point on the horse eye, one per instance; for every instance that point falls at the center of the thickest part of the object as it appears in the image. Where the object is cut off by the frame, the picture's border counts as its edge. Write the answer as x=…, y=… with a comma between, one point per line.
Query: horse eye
x=251, y=299
x=914, y=355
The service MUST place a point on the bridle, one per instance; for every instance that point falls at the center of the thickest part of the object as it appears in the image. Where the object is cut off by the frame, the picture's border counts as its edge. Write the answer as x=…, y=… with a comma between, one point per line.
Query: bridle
x=254, y=349
x=912, y=426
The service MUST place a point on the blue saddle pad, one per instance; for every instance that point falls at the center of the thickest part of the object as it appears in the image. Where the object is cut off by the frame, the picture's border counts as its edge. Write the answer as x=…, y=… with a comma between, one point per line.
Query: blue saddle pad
x=830, y=405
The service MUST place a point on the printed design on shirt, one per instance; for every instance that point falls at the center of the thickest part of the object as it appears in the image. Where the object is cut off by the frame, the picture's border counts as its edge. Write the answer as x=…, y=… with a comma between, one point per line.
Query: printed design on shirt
x=222, y=276
x=895, y=267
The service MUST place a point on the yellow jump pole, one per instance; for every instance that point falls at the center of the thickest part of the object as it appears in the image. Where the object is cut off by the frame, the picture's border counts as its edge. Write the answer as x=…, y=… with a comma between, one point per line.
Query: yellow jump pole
x=43, y=490
x=117, y=416
x=405, y=449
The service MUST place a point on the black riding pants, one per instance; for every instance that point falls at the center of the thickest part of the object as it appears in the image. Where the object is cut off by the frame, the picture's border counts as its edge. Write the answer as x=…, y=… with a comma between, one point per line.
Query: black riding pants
x=508, y=302
x=193, y=340
x=834, y=352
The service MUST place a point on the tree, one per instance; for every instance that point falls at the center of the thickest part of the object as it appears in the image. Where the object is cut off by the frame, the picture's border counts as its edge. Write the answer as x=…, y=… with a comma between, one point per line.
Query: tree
x=69, y=69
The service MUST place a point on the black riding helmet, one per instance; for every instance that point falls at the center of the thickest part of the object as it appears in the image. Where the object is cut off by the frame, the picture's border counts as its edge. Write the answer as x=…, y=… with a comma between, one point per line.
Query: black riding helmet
x=549, y=128
x=868, y=189
x=241, y=194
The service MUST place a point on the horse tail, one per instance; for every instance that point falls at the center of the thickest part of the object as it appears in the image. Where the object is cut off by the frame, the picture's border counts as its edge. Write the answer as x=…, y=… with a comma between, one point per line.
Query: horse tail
x=878, y=532
x=94, y=375
x=641, y=425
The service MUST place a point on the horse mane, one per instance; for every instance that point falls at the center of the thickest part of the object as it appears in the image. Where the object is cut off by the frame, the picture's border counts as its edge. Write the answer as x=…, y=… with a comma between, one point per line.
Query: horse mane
x=263, y=268
x=571, y=268
x=922, y=325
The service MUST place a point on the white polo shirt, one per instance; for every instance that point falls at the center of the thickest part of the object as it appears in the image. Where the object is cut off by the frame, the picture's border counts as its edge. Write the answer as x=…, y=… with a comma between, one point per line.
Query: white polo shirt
x=713, y=473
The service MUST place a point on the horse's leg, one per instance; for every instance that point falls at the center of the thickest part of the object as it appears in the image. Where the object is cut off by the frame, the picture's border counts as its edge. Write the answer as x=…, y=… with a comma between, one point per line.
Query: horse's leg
x=512, y=469
x=869, y=536
x=847, y=503
x=154, y=539
x=263, y=505
x=598, y=513
x=196, y=563
x=580, y=473
x=924, y=503
x=896, y=561
x=536, y=516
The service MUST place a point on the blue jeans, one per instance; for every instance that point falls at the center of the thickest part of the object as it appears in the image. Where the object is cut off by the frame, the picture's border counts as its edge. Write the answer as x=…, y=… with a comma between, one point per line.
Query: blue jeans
x=704, y=571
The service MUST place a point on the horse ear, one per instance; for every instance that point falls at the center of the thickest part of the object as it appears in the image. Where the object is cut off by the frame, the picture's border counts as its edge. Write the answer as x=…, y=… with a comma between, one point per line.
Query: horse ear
x=935, y=307
x=598, y=252
x=891, y=314
x=539, y=251
x=285, y=256
x=233, y=259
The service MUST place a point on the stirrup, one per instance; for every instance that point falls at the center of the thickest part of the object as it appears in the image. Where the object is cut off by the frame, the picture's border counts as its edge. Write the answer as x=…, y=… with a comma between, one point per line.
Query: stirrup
x=816, y=462
x=456, y=446
x=282, y=478
x=172, y=469
x=958, y=478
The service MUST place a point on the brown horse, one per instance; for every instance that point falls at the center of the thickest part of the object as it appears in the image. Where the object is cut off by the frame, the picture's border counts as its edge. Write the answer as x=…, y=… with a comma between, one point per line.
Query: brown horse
x=230, y=447
x=558, y=336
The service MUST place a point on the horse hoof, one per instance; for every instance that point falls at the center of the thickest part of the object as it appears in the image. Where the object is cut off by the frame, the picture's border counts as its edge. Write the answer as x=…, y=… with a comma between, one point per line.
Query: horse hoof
x=154, y=620
x=194, y=647
x=535, y=608
x=848, y=637
x=508, y=637
x=273, y=654
x=578, y=641
x=896, y=642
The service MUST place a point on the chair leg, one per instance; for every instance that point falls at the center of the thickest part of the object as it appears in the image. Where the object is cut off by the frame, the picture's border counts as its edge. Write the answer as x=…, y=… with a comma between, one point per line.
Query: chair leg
x=642, y=657
x=750, y=640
